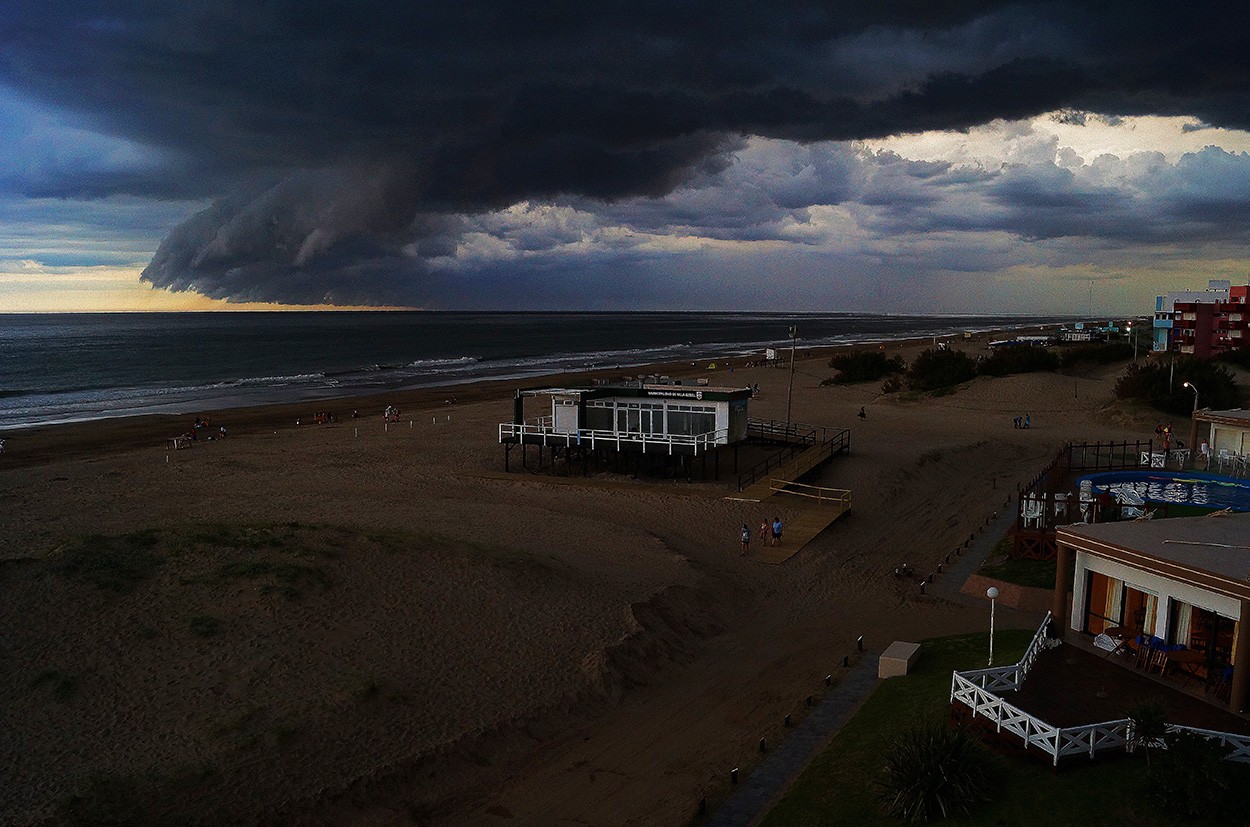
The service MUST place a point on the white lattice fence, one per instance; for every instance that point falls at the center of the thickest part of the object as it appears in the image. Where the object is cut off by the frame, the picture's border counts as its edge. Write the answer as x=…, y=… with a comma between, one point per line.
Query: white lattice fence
x=976, y=690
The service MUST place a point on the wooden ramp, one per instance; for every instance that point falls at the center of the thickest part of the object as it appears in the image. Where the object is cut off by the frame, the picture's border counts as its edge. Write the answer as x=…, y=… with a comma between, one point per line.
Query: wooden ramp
x=798, y=465
x=819, y=509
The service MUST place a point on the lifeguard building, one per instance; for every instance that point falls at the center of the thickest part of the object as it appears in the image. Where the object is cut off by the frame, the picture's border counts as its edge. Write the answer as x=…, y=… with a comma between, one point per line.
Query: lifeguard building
x=669, y=424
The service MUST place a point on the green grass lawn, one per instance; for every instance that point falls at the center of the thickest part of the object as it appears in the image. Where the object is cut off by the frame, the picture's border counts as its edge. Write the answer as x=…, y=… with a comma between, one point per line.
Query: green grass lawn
x=839, y=786
x=1037, y=573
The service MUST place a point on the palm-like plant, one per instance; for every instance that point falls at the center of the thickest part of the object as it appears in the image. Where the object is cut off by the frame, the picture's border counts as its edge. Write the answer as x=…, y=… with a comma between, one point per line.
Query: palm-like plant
x=934, y=772
x=1148, y=723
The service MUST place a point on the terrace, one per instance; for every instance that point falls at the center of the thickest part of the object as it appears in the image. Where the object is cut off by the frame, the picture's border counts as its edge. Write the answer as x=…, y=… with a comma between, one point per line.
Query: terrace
x=1063, y=702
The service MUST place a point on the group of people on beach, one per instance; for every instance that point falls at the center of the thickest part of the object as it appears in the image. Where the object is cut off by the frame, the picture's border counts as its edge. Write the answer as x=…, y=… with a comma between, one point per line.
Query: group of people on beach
x=765, y=528
x=1021, y=422
x=391, y=414
x=201, y=425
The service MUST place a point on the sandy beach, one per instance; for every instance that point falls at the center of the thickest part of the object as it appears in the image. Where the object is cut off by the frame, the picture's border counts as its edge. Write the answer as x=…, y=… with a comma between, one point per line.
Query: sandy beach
x=356, y=623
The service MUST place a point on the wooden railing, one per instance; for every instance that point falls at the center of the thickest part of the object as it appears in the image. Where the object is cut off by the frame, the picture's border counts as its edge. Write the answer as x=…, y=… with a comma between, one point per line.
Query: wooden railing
x=783, y=431
x=543, y=434
x=838, y=496
x=976, y=689
x=825, y=443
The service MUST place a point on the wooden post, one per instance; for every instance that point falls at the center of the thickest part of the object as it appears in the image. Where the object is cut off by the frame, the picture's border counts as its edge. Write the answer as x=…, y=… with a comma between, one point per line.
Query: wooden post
x=1063, y=581
x=1241, y=674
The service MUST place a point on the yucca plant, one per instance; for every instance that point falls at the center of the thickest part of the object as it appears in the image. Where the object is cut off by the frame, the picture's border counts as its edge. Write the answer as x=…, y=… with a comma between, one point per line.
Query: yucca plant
x=934, y=772
x=1148, y=723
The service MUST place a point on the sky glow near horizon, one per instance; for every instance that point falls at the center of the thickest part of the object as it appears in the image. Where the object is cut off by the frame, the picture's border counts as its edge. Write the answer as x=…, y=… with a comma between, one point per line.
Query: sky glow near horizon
x=173, y=190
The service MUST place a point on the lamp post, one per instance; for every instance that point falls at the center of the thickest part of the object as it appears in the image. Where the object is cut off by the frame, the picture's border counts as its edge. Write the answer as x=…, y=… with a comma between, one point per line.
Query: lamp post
x=1193, y=421
x=794, y=333
x=992, y=594
x=1133, y=333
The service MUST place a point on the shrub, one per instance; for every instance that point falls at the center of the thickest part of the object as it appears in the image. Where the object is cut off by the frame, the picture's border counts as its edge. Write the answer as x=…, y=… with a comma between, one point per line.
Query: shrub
x=865, y=366
x=1191, y=779
x=1240, y=356
x=1148, y=382
x=940, y=368
x=1019, y=359
x=934, y=772
x=1095, y=354
x=892, y=384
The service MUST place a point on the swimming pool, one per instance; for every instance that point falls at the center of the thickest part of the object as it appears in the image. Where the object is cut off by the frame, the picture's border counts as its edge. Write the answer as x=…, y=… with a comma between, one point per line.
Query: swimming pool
x=1179, y=487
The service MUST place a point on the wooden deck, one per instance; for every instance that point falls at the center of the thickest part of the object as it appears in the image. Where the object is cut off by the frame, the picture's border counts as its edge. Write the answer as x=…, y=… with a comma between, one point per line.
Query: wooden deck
x=821, y=507
x=1067, y=694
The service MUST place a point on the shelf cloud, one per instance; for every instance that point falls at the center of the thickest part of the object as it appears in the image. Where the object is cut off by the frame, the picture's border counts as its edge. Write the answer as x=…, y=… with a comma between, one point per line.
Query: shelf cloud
x=363, y=152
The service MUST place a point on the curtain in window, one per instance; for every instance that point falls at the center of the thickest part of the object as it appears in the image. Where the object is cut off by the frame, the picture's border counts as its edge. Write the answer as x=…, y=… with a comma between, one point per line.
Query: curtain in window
x=1150, y=624
x=1184, y=622
x=1115, y=599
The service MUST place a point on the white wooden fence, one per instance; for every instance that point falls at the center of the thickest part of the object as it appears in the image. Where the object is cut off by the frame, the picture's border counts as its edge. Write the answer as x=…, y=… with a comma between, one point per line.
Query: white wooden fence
x=977, y=688
x=543, y=433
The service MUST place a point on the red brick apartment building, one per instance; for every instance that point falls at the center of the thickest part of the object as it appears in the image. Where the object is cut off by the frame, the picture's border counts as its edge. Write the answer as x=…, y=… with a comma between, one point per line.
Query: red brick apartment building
x=1210, y=328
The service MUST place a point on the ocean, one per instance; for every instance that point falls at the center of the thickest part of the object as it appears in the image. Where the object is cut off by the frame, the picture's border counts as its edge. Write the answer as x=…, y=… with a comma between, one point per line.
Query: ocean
x=74, y=367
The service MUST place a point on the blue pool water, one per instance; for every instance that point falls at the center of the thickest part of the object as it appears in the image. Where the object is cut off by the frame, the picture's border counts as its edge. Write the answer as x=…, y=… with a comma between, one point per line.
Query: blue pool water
x=1187, y=488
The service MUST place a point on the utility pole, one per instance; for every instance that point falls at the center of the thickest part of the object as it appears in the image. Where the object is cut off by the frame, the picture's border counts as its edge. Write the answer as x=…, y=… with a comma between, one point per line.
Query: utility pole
x=794, y=334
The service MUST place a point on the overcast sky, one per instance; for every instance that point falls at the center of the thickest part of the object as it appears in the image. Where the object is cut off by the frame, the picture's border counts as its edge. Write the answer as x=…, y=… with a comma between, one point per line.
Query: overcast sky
x=913, y=156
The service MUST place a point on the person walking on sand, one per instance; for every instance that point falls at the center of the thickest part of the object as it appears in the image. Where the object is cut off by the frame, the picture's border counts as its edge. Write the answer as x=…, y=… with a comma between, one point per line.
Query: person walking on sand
x=776, y=531
x=763, y=531
x=746, y=539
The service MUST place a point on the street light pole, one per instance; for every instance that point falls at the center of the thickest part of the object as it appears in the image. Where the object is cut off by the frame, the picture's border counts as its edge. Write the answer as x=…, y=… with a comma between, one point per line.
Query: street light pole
x=1133, y=333
x=1193, y=421
x=992, y=594
x=794, y=332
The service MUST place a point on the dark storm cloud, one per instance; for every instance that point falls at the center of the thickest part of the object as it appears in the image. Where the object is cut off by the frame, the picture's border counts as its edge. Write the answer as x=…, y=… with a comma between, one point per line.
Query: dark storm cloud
x=334, y=134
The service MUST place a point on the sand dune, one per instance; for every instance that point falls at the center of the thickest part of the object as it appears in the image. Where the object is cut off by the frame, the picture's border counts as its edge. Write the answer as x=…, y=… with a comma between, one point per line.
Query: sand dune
x=385, y=628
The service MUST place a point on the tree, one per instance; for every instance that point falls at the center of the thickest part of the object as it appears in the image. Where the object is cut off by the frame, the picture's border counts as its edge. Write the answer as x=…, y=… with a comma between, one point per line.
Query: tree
x=1149, y=382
